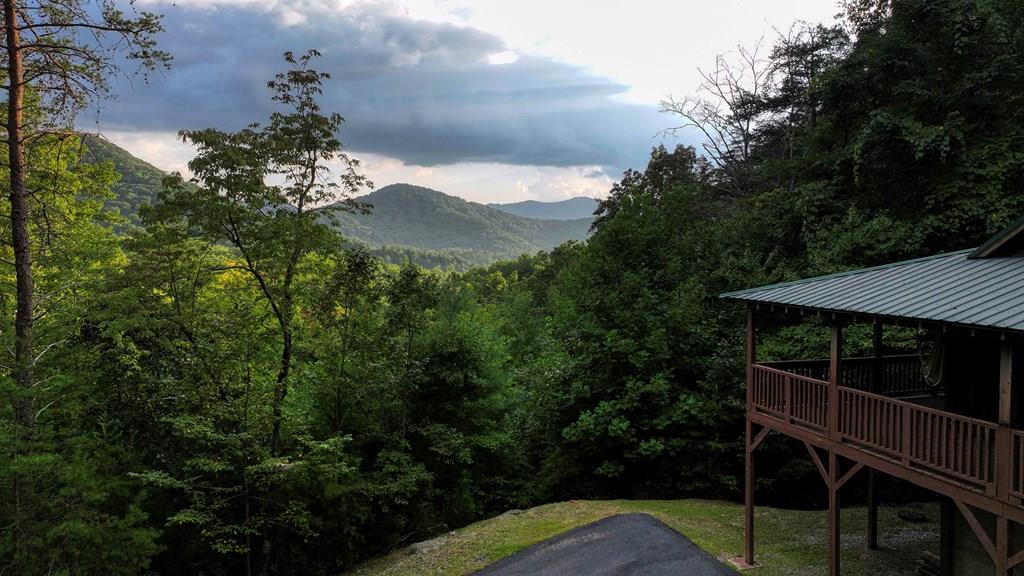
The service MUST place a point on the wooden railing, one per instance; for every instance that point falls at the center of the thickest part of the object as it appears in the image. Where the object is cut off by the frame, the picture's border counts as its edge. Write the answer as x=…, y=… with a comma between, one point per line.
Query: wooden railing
x=1017, y=470
x=940, y=442
x=791, y=397
x=958, y=448
x=900, y=374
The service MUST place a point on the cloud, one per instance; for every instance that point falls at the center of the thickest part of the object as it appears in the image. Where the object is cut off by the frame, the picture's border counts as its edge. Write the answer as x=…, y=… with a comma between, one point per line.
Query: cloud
x=425, y=93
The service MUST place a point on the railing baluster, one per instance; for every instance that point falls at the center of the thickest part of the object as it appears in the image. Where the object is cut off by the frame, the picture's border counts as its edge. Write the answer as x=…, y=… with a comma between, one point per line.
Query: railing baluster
x=956, y=447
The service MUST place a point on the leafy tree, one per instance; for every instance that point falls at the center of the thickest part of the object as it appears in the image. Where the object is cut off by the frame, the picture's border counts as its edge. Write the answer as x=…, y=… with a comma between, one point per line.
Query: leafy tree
x=273, y=226
x=58, y=56
x=71, y=509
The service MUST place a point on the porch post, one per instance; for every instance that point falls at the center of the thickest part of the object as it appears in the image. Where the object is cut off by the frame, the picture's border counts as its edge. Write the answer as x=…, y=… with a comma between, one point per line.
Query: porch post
x=876, y=387
x=1003, y=547
x=748, y=491
x=834, y=375
x=1004, y=466
x=1004, y=460
x=872, y=511
x=833, y=514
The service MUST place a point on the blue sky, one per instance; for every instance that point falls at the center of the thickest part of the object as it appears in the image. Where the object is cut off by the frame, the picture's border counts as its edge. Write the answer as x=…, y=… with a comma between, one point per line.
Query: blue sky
x=494, y=101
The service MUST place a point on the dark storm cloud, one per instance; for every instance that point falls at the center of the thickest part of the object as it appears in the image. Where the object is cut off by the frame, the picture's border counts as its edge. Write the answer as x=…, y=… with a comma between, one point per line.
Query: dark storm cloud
x=418, y=91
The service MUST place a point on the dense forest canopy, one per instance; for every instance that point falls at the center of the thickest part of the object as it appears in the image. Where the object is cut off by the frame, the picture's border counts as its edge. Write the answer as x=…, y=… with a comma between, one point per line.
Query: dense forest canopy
x=229, y=387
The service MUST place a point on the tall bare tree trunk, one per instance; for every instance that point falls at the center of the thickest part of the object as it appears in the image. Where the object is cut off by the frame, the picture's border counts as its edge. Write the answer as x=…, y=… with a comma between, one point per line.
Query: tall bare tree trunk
x=19, y=214
x=24, y=406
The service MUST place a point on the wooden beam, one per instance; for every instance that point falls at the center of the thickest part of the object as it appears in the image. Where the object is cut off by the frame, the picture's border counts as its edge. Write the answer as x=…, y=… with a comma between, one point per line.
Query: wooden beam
x=1002, y=546
x=749, y=479
x=759, y=438
x=1005, y=383
x=872, y=510
x=834, y=552
x=817, y=462
x=1015, y=560
x=834, y=375
x=849, y=474
x=876, y=357
x=1004, y=436
x=947, y=535
x=923, y=478
x=979, y=531
x=751, y=353
x=748, y=499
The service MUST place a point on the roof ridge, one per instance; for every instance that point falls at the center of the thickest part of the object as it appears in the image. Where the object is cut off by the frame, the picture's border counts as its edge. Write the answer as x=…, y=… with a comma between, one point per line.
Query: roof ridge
x=993, y=244
x=733, y=294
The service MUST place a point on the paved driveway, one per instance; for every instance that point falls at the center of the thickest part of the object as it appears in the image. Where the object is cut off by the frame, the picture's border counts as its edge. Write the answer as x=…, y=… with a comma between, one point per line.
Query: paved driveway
x=628, y=544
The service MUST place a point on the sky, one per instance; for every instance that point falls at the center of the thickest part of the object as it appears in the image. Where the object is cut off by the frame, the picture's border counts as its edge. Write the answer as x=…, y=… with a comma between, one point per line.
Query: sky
x=490, y=100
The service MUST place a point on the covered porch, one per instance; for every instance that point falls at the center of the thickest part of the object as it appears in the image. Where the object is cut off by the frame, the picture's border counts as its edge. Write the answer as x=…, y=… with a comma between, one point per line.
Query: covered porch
x=949, y=421
x=881, y=413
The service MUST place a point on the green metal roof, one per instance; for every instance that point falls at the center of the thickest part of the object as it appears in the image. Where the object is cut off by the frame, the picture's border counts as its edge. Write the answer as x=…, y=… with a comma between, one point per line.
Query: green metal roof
x=1005, y=243
x=958, y=288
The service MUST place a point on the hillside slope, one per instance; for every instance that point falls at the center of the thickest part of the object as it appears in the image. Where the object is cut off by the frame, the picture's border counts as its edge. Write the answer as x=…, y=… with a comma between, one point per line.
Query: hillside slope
x=407, y=215
x=140, y=181
x=571, y=209
x=789, y=541
x=407, y=223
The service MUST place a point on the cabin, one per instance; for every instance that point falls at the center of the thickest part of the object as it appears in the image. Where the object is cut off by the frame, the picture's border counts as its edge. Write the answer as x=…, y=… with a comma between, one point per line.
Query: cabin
x=949, y=418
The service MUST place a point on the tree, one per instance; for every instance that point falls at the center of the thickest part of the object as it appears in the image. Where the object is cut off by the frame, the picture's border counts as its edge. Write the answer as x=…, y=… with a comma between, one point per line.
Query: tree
x=60, y=54
x=70, y=508
x=272, y=226
x=726, y=111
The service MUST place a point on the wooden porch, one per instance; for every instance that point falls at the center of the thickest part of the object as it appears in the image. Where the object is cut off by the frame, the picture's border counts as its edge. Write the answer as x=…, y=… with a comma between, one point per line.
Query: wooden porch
x=880, y=414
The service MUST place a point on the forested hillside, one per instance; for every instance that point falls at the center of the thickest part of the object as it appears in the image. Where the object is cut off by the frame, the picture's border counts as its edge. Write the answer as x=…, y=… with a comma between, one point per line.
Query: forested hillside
x=229, y=388
x=139, y=181
x=405, y=222
x=403, y=215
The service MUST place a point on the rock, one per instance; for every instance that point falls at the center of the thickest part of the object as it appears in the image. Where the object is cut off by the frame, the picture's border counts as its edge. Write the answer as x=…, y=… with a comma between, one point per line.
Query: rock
x=911, y=515
x=513, y=512
x=427, y=545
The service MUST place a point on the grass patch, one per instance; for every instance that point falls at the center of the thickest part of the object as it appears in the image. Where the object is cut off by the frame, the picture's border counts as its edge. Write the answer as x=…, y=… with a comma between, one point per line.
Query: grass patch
x=789, y=542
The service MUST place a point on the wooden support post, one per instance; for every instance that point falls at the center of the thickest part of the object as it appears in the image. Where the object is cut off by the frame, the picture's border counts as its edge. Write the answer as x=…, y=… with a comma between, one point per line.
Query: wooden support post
x=877, y=384
x=1004, y=464
x=1005, y=383
x=872, y=510
x=748, y=500
x=877, y=387
x=947, y=534
x=1002, y=546
x=834, y=376
x=751, y=353
x=748, y=491
x=1004, y=460
x=833, y=514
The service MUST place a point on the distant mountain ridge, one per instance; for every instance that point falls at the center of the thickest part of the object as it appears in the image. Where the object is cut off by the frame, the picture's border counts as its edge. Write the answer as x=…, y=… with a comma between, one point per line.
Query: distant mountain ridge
x=407, y=222
x=571, y=209
x=408, y=215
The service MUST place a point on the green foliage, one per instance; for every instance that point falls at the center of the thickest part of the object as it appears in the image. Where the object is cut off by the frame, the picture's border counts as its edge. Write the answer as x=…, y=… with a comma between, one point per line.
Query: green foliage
x=139, y=182
x=234, y=389
x=405, y=224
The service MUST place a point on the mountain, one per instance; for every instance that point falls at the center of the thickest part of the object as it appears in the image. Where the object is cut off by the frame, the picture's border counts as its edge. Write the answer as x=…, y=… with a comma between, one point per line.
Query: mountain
x=140, y=181
x=407, y=223
x=407, y=215
x=571, y=209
